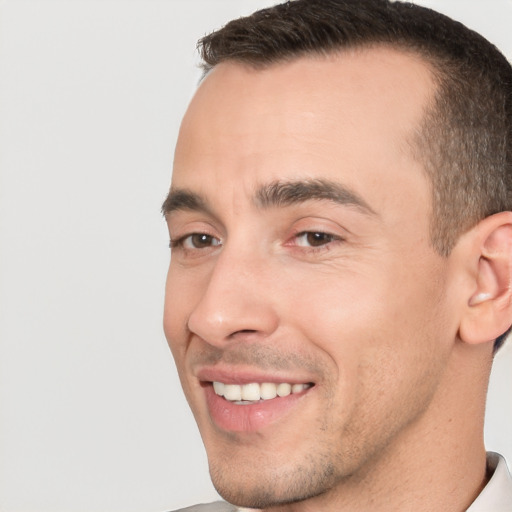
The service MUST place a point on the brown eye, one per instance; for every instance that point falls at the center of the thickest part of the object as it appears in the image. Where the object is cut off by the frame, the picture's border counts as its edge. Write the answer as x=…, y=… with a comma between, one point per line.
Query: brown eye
x=196, y=241
x=201, y=240
x=314, y=239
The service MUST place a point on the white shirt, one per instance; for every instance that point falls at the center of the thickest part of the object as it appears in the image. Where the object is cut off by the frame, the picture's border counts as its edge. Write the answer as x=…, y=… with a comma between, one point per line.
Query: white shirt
x=497, y=494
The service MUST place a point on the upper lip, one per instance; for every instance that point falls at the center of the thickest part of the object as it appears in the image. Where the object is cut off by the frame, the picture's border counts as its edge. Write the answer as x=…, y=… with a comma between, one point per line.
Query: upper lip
x=238, y=375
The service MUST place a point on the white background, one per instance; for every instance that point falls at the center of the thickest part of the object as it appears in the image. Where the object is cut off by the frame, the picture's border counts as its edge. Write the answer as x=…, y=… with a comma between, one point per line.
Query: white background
x=91, y=95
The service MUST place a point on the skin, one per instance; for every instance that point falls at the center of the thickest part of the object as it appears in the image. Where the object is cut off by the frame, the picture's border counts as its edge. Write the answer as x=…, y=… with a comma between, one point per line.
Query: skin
x=369, y=312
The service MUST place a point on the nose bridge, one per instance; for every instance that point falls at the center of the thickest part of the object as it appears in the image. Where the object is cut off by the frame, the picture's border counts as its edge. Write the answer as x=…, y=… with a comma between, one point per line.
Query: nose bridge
x=236, y=298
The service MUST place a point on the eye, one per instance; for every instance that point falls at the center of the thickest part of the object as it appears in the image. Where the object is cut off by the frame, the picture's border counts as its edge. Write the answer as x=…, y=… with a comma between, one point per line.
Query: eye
x=196, y=241
x=314, y=238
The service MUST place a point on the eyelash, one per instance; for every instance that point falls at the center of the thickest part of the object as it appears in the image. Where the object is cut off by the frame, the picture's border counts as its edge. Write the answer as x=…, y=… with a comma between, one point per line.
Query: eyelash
x=180, y=242
x=325, y=239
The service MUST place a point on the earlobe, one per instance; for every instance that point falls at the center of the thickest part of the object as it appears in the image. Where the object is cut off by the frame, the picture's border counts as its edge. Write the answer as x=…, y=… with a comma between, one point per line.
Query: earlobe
x=489, y=308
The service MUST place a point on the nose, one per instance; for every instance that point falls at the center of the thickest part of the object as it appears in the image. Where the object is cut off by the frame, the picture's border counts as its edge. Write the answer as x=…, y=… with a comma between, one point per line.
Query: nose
x=237, y=301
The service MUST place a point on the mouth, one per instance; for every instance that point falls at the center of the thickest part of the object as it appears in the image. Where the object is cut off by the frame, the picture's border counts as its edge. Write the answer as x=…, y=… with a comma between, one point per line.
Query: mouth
x=255, y=393
x=252, y=406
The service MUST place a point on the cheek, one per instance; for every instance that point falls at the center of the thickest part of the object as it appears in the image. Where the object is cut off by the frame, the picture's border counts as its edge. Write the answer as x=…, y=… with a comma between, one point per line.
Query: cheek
x=179, y=300
x=380, y=333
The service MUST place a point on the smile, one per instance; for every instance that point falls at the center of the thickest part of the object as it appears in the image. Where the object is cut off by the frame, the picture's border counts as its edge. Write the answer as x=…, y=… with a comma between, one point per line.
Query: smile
x=255, y=392
x=252, y=406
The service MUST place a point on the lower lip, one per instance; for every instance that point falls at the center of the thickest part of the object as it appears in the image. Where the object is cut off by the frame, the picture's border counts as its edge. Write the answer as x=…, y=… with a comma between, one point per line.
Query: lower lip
x=251, y=417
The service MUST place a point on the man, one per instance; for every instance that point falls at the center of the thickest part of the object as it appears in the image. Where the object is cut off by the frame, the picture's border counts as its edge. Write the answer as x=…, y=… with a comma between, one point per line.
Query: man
x=341, y=262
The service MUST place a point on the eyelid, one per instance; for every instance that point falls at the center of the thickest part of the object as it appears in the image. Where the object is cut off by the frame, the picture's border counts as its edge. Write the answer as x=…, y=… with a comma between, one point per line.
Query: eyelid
x=331, y=236
x=182, y=246
x=314, y=224
x=334, y=235
x=184, y=225
x=174, y=242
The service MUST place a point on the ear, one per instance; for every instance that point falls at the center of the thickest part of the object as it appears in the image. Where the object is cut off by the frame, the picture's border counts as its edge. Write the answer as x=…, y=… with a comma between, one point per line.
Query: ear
x=488, y=313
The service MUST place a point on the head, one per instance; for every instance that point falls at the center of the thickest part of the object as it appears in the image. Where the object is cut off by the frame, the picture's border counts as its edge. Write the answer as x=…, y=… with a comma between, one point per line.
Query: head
x=341, y=237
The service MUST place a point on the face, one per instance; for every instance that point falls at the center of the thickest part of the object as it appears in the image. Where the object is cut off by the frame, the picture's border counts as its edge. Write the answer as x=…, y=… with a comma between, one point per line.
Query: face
x=308, y=315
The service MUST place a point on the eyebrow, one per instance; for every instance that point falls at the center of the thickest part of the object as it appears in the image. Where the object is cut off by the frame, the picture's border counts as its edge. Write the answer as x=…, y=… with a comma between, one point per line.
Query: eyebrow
x=275, y=194
x=287, y=193
x=183, y=199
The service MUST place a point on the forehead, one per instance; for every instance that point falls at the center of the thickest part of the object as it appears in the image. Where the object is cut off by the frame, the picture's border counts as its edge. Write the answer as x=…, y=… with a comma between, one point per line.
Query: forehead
x=349, y=116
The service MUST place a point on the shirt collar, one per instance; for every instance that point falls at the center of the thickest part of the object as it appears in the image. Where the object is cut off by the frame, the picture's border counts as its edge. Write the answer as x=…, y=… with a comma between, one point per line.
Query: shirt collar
x=497, y=494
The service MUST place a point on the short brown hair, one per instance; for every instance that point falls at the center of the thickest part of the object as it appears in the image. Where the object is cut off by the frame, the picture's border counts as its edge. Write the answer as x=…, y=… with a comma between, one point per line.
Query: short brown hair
x=465, y=140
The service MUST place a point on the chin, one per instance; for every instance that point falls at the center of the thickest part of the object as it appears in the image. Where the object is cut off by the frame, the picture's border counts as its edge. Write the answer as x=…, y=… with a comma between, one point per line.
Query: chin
x=263, y=483
x=257, y=496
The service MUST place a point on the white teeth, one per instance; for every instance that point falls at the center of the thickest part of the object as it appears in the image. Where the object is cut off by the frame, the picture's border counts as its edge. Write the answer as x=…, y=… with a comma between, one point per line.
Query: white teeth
x=219, y=388
x=255, y=392
x=268, y=391
x=297, y=388
x=251, y=391
x=232, y=392
x=284, y=389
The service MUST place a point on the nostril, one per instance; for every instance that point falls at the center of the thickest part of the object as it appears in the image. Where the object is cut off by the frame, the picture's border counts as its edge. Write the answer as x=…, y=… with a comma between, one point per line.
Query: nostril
x=242, y=332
